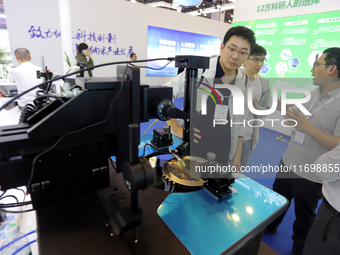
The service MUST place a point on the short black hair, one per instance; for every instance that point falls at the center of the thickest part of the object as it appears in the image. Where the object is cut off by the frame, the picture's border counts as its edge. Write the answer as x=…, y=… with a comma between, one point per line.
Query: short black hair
x=243, y=32
x=132, y=55
x=82, y=46
x=333, y=58
x=258, y=51
x=22, y=54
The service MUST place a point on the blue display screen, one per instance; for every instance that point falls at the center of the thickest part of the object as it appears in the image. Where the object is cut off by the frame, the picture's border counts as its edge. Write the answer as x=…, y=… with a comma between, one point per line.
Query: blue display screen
x=164, y=43
x=187, y=2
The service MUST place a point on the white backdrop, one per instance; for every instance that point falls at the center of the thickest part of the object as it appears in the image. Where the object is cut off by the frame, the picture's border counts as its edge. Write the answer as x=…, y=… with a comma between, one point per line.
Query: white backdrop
x=21, y=15
x=127, y=22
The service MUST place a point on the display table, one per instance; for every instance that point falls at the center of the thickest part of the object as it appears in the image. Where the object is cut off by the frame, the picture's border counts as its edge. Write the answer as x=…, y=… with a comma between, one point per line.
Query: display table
x=173, y=223
x=208, y=226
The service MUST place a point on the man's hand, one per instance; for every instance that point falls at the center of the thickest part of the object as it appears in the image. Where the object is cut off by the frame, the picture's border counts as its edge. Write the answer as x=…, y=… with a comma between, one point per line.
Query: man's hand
x=255, y=102
x=278, y=107
x=327, y=141
x=178, y=131
x=237, y=163
x=238, y=154
x=303, y=123
x=88, y=53
x=196, y=135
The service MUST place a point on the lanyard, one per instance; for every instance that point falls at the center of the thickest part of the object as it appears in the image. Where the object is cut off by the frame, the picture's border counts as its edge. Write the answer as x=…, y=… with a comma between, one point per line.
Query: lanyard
x=254, y=84
x=324, y=104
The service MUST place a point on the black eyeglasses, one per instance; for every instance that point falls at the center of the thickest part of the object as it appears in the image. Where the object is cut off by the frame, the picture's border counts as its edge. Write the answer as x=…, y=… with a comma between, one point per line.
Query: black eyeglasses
x=317, y=64
x=256, y=60
x=232, y=51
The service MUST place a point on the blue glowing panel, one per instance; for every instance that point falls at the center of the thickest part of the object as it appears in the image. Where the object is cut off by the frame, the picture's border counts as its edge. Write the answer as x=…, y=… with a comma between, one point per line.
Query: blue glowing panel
x=207, y=226
x=164, y=43
x=187, y=2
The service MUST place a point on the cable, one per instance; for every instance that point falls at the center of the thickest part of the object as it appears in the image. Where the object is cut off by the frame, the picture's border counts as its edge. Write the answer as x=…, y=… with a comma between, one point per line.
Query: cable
x=24, y=246
x=24, y=211
x=209, y=94
x=173, y=187
x=165, y=183
x=150, y=126
x=76, y=131
x=29, y=233
x=10, y=205
x=213, y=90
x=39, y=102
x=3, y=193
x=79, y=71
x=21, y=190
x=156, y=68
x=178, y=158
x=27, y=111
x=162, y=152
x=76, y=86
x=10, y=196
x=168, y=122
x=112, y=163
x=50, y=95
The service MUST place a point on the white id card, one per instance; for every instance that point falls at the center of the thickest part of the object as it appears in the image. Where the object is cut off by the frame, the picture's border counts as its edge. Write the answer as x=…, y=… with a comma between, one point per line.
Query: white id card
x=221, y=114
x=299, y=137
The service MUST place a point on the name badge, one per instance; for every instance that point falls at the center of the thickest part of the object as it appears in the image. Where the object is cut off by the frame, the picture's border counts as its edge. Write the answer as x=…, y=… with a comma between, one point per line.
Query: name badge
x=221, y=114
x=299, y=137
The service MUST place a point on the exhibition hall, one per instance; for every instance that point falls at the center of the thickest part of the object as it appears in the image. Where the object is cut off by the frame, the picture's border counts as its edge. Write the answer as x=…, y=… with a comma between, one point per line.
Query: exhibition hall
x=149, y=127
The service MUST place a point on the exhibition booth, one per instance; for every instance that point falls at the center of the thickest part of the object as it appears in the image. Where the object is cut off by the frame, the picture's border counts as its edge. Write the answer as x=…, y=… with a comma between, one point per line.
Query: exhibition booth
x=100, y=164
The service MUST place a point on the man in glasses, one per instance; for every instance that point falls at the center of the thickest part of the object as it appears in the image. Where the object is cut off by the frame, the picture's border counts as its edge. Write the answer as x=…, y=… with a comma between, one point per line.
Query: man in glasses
x=261, y=99
x=314, y=136
x=224, y=140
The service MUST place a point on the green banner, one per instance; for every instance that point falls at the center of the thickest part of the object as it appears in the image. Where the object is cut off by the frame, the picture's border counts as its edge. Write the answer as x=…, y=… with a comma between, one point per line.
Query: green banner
x=294, y=43
x=285, y=4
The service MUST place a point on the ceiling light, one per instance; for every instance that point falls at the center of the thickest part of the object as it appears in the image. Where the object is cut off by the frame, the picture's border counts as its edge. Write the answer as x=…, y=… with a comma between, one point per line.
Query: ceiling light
x=218, y=7
x=212, y=9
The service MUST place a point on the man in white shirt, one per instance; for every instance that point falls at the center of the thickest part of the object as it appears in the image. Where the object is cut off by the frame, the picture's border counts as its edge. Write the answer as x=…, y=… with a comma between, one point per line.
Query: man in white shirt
x=324, y=236
x=224, y=140
x=25, y=76
x=261, y=100
x=313, y=136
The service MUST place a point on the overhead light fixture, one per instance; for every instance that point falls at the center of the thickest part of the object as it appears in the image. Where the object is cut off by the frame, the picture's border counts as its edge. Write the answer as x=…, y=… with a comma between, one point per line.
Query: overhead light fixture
x=212, y=9
x=218, y=4
x=187, y=2
x=165, y=4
